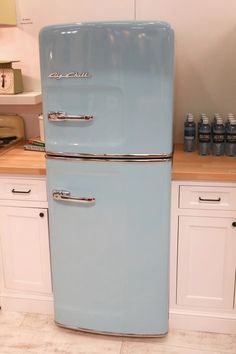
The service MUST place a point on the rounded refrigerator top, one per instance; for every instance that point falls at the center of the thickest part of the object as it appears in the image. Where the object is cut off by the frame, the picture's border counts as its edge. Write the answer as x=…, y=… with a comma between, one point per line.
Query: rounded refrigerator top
x=105, y=24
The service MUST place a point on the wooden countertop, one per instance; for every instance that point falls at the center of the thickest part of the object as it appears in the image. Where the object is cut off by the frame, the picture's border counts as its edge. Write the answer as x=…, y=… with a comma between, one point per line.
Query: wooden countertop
x=186, y=165
x=192, y=166
x=19, y=161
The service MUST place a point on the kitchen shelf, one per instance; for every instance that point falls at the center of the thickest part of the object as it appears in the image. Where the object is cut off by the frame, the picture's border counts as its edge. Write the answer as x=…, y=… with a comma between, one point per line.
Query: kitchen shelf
x=28, y=98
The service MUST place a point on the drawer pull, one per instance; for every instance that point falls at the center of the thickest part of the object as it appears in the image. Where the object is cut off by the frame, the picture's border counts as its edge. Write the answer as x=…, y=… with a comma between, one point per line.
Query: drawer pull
x=217, y=200
x=20, y=192
x=234, y=224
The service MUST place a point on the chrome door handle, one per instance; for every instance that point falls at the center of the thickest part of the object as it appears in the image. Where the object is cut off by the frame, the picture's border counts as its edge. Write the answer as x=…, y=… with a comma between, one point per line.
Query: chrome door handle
x=66, y=196
x=62, y=116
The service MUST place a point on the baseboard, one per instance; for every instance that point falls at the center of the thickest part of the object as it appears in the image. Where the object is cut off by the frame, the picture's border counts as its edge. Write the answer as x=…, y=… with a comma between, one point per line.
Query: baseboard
x=202, y=321
x=30, y=303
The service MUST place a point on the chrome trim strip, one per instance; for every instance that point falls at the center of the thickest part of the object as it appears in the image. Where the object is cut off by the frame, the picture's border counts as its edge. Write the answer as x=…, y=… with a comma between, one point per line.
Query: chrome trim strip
x=91, y=331
x=111, y=156
x=83, y=159
x=63, y=116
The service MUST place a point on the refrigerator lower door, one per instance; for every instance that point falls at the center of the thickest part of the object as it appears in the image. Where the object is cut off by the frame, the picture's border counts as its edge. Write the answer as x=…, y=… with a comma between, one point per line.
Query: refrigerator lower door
x=109, y=238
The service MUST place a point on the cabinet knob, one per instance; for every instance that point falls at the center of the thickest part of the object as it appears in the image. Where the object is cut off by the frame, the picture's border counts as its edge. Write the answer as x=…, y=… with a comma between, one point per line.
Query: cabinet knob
x=42, y=215
x=234, y=224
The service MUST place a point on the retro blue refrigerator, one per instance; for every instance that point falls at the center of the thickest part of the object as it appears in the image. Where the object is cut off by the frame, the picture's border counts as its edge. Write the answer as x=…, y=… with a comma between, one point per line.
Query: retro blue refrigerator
x=107, y=105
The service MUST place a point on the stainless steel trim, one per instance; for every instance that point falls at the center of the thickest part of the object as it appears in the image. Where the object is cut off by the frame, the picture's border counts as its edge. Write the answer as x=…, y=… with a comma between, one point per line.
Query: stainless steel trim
x=113, y=156
x=134, y=335
x=65, y=196
x=49, y=157
x=63, y=116
x=110, y=157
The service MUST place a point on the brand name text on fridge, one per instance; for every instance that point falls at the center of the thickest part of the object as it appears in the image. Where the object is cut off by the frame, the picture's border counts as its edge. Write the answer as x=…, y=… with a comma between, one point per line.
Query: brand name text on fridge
x=70, y=75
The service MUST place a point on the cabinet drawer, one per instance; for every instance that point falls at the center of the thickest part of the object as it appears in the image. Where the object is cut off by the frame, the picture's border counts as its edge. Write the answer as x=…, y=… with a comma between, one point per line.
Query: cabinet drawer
x=23, y=189
x=215, y=198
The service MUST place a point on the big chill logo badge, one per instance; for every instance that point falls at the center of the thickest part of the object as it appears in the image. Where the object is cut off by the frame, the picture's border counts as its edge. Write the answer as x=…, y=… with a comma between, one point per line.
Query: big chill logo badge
x=70, y=75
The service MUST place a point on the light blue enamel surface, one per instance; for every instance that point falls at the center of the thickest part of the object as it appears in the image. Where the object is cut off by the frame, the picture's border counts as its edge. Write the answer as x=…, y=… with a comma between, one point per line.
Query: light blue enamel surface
x=110, y=261
x=129, y=93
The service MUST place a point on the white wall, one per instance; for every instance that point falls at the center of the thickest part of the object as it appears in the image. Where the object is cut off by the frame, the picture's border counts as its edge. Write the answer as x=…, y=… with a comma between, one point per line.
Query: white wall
x=205, y=55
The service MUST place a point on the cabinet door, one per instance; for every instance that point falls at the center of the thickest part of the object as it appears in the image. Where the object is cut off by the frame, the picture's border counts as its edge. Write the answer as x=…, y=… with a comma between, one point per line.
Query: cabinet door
x=25, y=249
x=206, y=262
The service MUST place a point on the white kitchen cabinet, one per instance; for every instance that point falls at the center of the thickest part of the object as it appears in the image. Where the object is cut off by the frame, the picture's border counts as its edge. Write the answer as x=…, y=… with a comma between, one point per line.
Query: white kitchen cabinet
x=206, y=262
x=25, y=98
x=203, y=256
x=25, y=259
x=25, y=249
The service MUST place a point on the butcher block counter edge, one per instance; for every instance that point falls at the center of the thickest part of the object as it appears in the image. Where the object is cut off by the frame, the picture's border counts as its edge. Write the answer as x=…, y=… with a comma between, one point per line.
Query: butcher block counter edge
x=192, y=166
x=186, y=165
x=19, y=161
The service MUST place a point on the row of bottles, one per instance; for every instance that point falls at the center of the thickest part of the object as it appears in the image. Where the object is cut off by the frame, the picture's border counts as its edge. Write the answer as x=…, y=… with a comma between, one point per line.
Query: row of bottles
x=216, y=137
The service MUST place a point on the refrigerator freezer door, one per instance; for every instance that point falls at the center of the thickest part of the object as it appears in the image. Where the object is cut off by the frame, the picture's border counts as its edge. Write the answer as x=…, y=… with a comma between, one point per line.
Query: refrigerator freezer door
x=109, y=238
x=107, y=87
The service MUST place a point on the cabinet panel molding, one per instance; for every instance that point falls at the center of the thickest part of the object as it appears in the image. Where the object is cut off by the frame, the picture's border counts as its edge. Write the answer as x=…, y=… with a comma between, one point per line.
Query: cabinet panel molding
x=25, y=274
x=203, y=257
x=206, y=262
x=25, y=249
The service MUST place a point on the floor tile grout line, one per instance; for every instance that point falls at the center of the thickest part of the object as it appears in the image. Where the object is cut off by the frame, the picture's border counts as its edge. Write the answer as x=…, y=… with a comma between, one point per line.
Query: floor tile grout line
x=23, y=319
x=122, y=345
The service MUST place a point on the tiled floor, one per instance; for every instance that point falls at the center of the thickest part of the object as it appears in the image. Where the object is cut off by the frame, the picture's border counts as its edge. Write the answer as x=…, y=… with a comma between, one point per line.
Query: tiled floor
x=37, y=334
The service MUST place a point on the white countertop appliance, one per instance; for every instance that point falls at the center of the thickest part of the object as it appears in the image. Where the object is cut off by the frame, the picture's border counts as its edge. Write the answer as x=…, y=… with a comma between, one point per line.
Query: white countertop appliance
x=11, y=131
